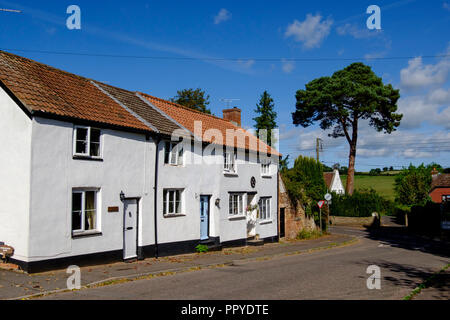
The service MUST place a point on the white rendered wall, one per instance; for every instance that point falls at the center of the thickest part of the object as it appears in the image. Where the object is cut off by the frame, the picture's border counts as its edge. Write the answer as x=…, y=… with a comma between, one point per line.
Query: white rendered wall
x=203, y=175
x=15, y=155
x=128, y=166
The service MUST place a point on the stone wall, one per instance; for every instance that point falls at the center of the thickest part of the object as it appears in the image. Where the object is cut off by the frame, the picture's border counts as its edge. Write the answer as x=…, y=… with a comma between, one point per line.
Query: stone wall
x=295, y=218
x=351, y=221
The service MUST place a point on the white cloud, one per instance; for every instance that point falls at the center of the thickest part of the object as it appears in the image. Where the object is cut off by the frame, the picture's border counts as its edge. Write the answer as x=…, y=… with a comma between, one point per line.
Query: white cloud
x=222, y=16
x=420, y=75
x=311, y=31
x=287, y=66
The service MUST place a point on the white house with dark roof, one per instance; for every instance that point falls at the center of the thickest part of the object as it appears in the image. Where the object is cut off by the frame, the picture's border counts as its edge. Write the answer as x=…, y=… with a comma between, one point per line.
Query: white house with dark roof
x=91, y=173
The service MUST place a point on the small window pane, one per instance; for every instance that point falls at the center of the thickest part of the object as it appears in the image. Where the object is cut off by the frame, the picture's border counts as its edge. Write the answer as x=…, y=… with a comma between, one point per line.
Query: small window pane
x=95, y=135
x=95, y=150
x=81, y=134
x=81, y=147
x=90, y=211
x=76, y=211
x=76, y=220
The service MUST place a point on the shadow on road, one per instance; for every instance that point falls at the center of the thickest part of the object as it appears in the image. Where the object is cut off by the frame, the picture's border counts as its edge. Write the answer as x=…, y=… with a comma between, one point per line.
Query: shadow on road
x=400, y=237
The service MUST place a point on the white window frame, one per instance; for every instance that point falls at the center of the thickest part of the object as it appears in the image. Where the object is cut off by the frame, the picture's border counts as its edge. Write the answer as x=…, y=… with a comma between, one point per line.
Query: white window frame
x=240, y=208
x=87, y=154
x=265, y=168
x=83, y=211
x=176, y=153
x=166, y=201
x=265, y=203
x=229, y=162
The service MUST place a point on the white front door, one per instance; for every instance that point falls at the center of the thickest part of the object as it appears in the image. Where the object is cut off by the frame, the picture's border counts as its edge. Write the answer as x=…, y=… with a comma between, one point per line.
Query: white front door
x=130, y=229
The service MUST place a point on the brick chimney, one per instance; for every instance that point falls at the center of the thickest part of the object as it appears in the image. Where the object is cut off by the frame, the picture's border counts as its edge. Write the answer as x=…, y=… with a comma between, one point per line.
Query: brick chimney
x=233, y=115
x=434, y=173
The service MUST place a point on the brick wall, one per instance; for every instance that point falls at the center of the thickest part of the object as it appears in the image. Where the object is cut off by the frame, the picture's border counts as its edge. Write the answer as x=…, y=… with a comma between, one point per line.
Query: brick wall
x=436, y=194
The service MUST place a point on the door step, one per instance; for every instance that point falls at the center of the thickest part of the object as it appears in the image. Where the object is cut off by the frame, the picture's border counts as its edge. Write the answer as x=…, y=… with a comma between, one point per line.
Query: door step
x=211, y=244
x=255, y=243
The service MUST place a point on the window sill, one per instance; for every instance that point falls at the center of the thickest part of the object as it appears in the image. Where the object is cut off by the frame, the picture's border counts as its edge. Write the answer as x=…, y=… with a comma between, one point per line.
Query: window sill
x=237, y=217
x=86, y=234
x=78, y=157
x=266, y=176
x=230, y=174
x=174, y=215
x=263, y=222
x=173, y=165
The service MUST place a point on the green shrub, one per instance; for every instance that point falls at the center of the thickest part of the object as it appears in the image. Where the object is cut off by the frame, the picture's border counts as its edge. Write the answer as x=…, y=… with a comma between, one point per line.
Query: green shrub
x=305, y=234
x=361, y=204
x=201, y=248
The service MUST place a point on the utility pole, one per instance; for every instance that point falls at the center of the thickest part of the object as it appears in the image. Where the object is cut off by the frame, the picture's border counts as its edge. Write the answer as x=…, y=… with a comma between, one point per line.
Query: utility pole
x=319, y=148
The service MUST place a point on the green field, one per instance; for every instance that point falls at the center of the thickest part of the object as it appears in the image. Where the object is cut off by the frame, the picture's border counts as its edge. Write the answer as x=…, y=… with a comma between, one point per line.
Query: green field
x=383, y=184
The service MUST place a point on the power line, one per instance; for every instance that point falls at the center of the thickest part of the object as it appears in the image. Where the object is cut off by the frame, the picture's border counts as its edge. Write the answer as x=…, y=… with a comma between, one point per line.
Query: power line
x=106, y=55
x=10, y=10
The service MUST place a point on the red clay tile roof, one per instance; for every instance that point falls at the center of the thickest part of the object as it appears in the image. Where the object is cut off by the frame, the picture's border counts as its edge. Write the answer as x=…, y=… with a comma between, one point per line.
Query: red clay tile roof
x=441, y=181
x=328, y=177
x=41, y=88
x=187, y=118
x=142, y=108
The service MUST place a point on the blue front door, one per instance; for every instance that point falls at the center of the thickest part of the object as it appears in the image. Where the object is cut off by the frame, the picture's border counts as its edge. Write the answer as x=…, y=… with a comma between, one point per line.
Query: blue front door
x=204, y=217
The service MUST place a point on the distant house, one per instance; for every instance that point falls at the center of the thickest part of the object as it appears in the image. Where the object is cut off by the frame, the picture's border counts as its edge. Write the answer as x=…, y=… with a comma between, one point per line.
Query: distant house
x=440, y=187
x=334, y=182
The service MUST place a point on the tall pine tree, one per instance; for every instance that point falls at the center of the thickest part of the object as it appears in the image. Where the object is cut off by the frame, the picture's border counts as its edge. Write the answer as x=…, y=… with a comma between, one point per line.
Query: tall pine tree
x=266, y=119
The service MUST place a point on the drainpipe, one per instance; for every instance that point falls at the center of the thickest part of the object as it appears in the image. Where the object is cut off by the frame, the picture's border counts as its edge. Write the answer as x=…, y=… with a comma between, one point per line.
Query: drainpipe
x=155, y=190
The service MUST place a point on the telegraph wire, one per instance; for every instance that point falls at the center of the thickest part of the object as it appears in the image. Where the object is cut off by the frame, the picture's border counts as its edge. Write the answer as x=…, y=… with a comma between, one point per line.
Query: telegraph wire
x=107, y=55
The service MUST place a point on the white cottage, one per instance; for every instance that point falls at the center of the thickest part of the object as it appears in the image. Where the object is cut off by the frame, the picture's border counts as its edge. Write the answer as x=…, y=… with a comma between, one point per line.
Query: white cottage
x=334, y=182
x=91, y=173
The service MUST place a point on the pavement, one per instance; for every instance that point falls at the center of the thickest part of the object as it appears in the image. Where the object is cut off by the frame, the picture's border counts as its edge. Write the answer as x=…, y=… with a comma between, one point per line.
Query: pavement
x=19, y=285
x=332, y=267
x=340, y=273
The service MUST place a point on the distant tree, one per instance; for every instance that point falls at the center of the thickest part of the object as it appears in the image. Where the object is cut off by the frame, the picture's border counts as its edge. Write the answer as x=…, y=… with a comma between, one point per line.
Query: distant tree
x=284, y=164
x=344, y=170
x=266, y=119
x=336, y=166
x=385, y=169
x=304, y=182
x=375, y=172
x=327, y=168
x=391, y=168
x=195, y=99
x=412, y=185
x=446, y=170
x=342, y=100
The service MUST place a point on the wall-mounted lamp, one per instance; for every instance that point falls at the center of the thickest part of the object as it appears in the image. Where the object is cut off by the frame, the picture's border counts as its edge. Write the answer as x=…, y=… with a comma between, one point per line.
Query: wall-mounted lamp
x=218, y=202
x=122, y=196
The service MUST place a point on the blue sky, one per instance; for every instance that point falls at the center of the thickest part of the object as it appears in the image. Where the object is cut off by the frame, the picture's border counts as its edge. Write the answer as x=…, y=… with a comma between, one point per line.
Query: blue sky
x=201, y=31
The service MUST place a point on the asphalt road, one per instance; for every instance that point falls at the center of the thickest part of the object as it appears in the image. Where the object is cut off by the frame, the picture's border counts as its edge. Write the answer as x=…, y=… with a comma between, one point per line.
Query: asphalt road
x=338, y=273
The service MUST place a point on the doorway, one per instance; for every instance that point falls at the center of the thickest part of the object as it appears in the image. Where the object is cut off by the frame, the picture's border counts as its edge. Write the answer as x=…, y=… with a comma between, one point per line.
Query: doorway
x=204, y=217
x=130, y=228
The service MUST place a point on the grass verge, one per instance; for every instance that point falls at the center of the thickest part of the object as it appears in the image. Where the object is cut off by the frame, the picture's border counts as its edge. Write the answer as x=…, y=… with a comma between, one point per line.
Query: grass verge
x=426, y=284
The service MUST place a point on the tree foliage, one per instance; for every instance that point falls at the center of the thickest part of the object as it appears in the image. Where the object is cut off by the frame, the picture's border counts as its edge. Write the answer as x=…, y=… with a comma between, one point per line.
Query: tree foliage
x=412, y=185
x=339, y=103
x=304, y=182
x=195, y=99
x=266, y=119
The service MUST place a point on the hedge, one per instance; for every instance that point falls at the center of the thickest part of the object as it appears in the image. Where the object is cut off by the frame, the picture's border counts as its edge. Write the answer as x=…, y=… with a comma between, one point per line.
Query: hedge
x=361, y=204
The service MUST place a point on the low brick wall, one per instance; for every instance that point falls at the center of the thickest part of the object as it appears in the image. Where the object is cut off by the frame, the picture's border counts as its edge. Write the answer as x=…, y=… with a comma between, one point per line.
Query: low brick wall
x=351, y=221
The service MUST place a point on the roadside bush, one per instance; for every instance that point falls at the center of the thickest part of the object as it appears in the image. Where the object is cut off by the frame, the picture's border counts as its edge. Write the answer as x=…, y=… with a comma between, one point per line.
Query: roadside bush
x=305, y=234
x=361, y=204
x=201, y=248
